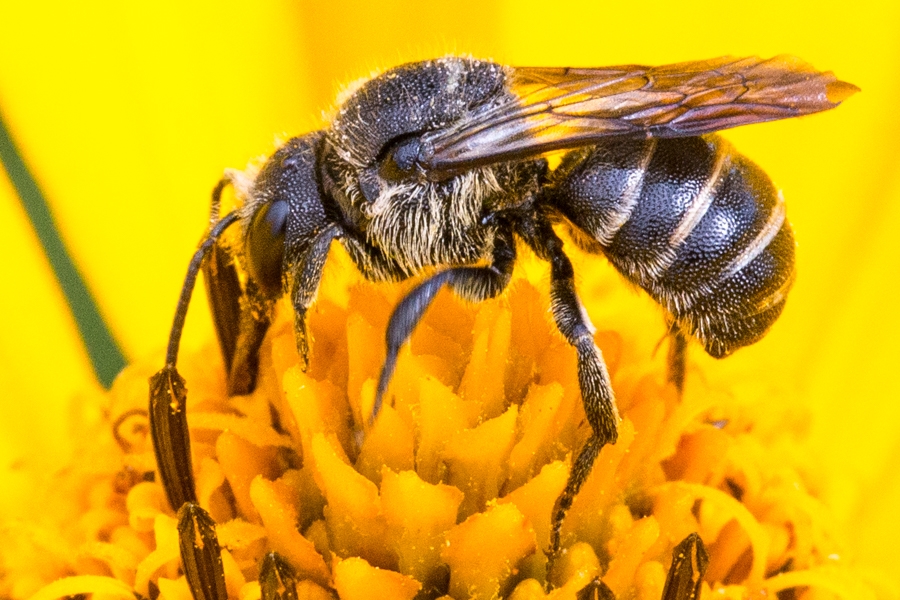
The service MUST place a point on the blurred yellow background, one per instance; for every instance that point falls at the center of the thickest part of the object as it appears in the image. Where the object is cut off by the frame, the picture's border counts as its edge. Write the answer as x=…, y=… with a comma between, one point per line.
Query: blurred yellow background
x=127, y=113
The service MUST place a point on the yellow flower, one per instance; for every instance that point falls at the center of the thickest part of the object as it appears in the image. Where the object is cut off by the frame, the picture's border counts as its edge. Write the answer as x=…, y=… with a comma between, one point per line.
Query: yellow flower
x=128, y=114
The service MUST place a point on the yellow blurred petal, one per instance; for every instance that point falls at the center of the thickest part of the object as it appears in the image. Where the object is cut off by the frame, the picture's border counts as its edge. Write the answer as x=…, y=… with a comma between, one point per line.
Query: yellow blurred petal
x=825, y=578
x=166, y=552
x=37, y=330
x=857, y=427
x=145, y=503
x=128, y=116
x=85, y=584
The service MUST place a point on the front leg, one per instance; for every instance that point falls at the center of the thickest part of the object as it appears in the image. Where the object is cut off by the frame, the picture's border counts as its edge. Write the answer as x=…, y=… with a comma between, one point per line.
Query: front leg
x=305, y=274
x=472, y=283
x=305, y=264
x=241, y=312
x=593, y=378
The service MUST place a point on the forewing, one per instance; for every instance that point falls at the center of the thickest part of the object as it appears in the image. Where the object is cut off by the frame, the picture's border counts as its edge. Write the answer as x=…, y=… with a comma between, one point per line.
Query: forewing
x=553, y=109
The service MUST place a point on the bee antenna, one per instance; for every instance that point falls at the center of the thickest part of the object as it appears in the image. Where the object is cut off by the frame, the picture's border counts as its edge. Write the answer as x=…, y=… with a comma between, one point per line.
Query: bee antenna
x=191, y=278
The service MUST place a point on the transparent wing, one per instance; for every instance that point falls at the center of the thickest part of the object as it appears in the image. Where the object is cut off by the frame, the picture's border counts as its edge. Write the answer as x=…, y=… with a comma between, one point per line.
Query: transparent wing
x=556, y=108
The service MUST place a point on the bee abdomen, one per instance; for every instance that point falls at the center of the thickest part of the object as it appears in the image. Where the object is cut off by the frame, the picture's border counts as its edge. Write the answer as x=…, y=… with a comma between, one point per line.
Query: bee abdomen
x=698, y=226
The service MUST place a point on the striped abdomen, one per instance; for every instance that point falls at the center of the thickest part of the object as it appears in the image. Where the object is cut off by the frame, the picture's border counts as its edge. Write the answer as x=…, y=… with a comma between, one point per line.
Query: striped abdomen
x=698, y=226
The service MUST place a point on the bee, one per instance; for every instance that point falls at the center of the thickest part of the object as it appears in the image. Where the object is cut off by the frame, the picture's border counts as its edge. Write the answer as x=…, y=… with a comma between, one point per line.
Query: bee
x=439, y=167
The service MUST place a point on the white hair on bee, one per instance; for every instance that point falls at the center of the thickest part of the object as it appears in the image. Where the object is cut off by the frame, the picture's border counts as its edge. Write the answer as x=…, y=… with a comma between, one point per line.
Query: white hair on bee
x=421, y=223
x=244, y=185
x=346, y=91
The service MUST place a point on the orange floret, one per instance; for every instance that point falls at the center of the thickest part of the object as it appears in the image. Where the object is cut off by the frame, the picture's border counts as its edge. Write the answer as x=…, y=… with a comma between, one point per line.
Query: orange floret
x=353, y=515
x=418, y=514
x=355, y=579
x=275, y=504
x=483, y=551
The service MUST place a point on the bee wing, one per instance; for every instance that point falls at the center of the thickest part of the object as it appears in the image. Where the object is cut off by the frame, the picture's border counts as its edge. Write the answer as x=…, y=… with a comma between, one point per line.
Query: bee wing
x=553, y=109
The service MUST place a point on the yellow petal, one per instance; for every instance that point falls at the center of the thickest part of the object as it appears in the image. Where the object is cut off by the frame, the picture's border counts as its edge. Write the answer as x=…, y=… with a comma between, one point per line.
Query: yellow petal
x=38, y=335
x=128, y=116
x=355, y=579
x=483, y=550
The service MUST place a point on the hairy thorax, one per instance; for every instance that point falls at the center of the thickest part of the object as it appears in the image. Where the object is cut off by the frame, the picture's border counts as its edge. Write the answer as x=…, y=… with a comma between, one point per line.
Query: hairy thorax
x=417, y=223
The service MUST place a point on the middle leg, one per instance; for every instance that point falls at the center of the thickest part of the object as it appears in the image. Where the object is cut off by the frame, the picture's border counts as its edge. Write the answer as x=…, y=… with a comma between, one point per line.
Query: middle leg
x=472, y=283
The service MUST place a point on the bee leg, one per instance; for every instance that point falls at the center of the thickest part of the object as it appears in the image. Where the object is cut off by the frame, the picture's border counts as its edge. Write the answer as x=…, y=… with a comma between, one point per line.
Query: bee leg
x=223, y=288
x=306, y=273
x=201, y=555
x=677, y=356
x=168, y=423
x=241, y=315
x=277, y=578
x=255, y=318
x=223, y=291
x=689, y=562
x=472, y=283
x=593, y=378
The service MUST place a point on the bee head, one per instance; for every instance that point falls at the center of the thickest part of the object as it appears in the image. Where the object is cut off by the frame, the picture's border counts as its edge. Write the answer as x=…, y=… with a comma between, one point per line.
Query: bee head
x=283, y=212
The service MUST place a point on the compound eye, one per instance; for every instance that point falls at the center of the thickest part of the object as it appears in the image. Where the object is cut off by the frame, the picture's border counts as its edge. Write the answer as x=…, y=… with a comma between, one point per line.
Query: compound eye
x=265, y=246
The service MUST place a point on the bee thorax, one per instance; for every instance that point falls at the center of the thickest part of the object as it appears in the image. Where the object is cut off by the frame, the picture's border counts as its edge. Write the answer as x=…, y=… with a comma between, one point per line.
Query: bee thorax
x=420, y=223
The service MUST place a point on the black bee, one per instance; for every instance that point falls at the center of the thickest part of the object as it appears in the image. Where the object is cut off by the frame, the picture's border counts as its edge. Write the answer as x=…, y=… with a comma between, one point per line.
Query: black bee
x=440, y=166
